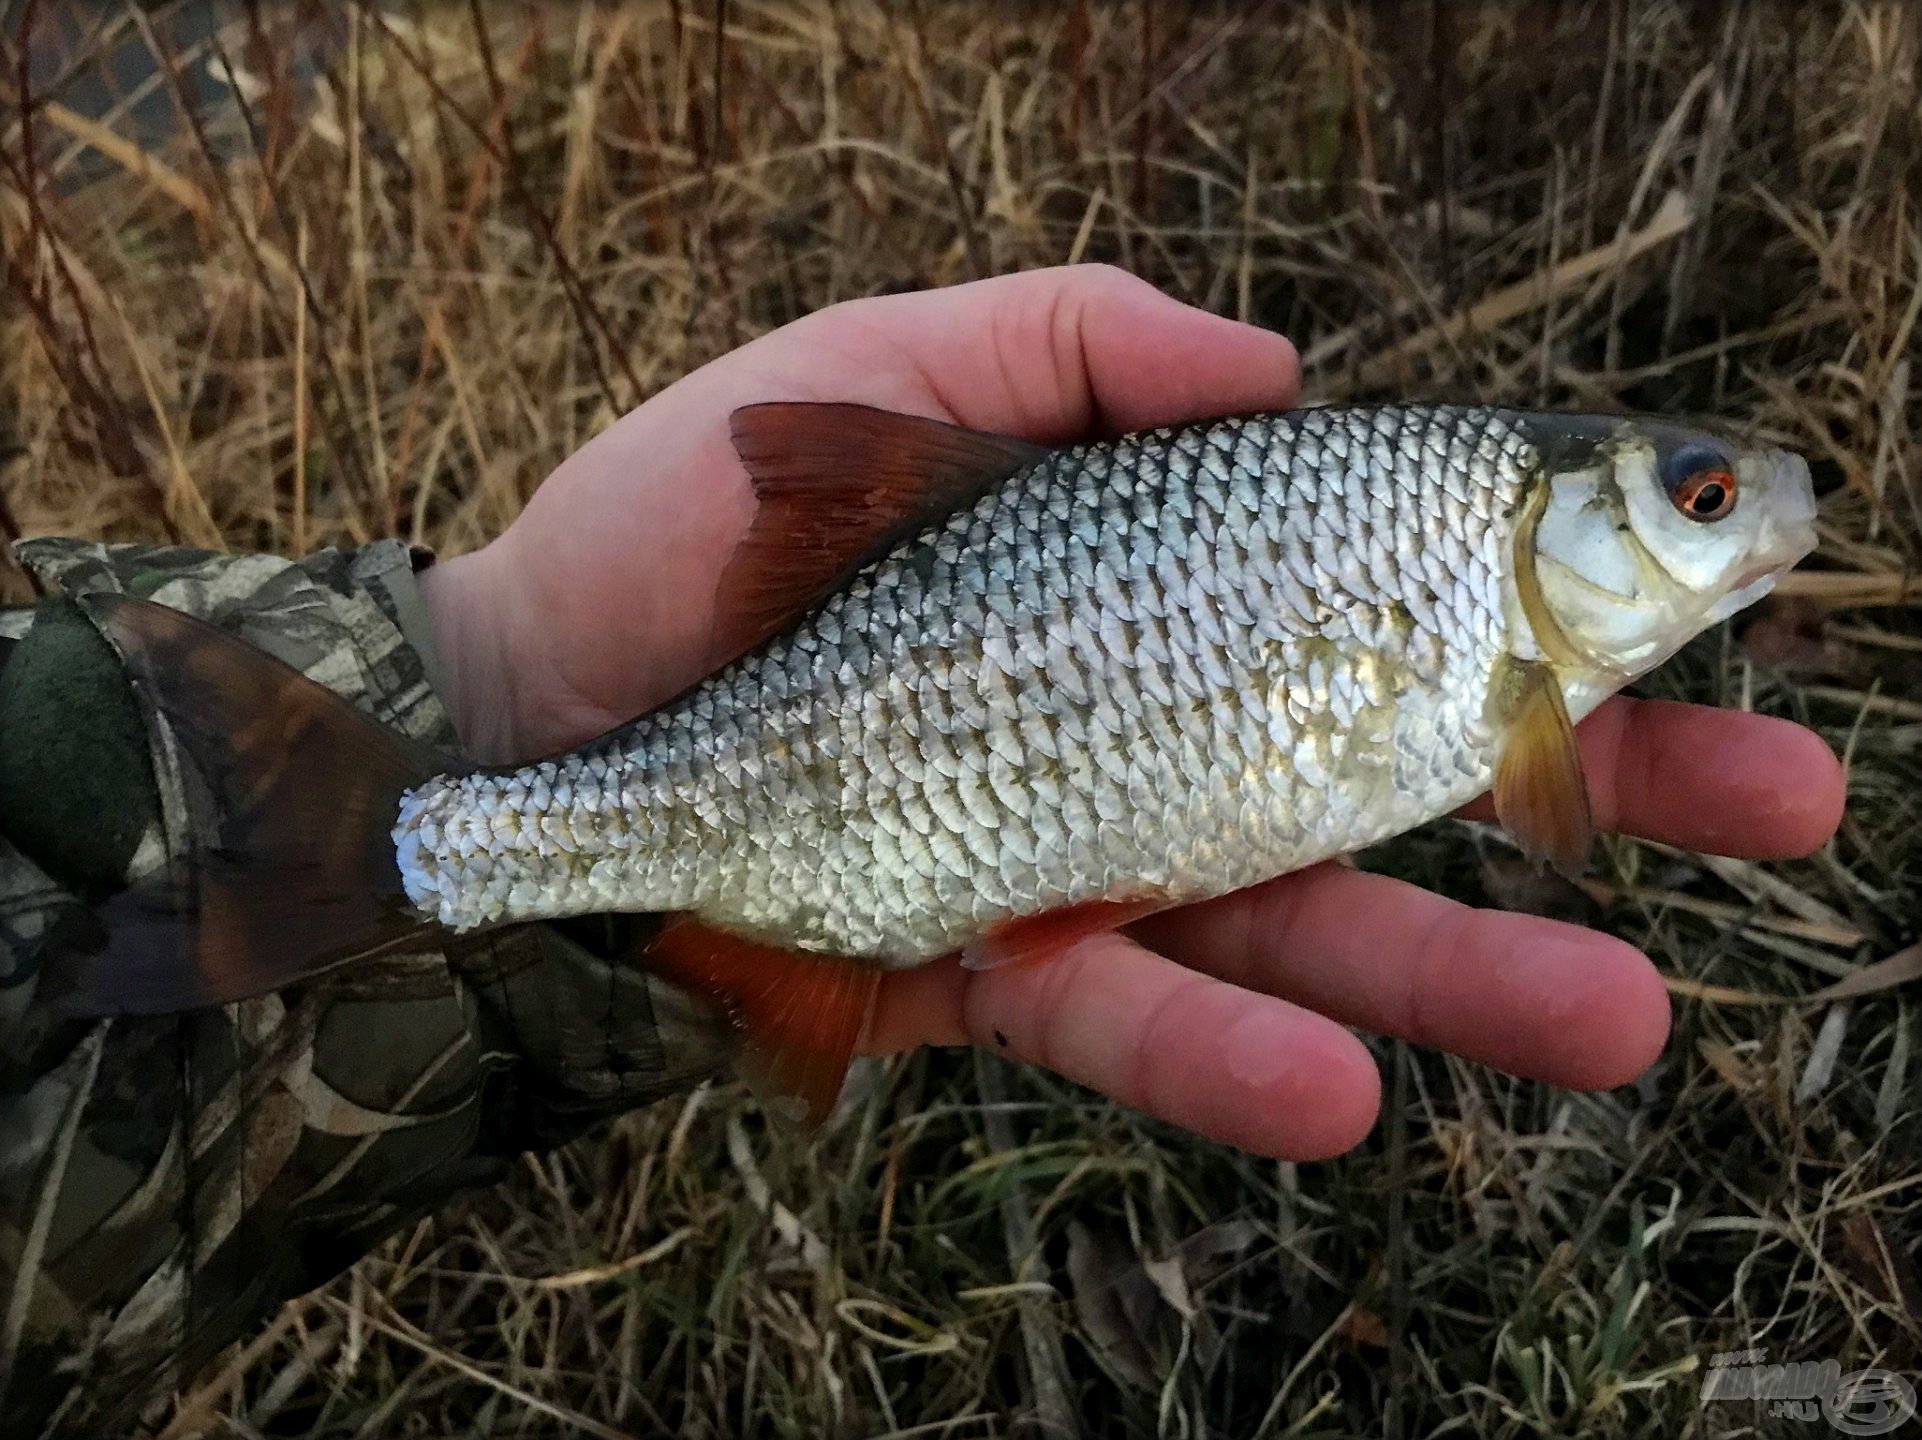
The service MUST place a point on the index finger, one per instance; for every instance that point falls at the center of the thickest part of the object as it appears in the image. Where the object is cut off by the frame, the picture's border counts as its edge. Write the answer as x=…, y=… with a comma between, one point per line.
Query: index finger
x=1234, y=1065
x=1704, y=778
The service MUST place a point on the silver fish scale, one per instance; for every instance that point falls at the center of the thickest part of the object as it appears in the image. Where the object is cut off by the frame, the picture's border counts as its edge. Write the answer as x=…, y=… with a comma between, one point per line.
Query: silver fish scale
x=1165, y=667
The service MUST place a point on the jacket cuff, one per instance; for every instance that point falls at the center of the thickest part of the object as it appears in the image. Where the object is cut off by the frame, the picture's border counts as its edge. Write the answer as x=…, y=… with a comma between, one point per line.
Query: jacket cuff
x=168, y=1179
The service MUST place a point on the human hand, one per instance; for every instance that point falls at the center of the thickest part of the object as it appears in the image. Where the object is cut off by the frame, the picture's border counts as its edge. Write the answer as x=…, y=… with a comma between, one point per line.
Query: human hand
x=1227, y=1017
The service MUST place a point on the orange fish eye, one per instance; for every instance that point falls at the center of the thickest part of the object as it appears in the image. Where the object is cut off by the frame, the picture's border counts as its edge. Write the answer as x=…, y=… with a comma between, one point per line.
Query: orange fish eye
x=1707, y=494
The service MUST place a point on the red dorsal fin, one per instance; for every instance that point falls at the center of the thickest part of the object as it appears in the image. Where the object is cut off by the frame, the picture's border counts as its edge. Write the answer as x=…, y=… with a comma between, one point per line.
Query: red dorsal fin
x=835, y=485
x=800, y=1016
x=1031, y=939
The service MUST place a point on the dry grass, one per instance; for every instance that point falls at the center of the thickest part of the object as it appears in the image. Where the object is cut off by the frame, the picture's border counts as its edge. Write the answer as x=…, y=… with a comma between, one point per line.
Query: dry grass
x=388, y=302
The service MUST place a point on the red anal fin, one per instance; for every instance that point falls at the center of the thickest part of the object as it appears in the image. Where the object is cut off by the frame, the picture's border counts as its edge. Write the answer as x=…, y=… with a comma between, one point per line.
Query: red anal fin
x=800, y=1016
x=835, y=485
x=1031, y=939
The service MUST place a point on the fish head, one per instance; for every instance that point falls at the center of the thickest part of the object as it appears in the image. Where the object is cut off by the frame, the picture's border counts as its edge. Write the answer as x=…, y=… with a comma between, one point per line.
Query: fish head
x=1644, y=532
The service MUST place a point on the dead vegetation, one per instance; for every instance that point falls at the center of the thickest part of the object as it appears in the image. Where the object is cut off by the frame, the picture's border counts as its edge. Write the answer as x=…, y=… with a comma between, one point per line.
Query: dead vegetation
x=312, y=274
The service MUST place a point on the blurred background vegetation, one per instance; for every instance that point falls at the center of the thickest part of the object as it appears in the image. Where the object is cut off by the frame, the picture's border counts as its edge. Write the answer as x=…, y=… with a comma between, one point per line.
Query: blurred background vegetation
x=286, y=275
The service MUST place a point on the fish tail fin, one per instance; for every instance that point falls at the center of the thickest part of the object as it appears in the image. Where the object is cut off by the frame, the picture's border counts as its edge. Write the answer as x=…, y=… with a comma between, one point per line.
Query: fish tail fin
x=299, y=875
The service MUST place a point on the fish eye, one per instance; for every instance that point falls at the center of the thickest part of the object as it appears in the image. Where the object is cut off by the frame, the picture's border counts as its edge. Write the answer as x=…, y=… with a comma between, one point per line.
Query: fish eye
x=1700, y=482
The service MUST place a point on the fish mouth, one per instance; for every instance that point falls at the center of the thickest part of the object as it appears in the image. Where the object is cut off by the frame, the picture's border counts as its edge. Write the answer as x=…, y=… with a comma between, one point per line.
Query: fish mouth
x=1786, y=538
x=1792, y=499
x=1752, y=586
x=1787, y=535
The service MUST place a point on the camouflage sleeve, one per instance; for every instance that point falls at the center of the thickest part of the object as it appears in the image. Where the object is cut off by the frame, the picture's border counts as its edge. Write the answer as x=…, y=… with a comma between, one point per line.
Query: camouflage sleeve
x=165, y=1181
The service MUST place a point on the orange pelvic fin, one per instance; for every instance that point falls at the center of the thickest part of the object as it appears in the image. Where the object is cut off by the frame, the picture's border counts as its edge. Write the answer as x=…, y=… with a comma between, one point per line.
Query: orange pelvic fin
x=1031, y=939
x=800, y=1016
x=835, y=485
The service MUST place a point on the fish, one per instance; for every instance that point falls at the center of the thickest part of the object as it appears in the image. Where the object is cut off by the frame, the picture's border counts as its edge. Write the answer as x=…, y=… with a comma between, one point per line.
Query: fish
x=991, y=698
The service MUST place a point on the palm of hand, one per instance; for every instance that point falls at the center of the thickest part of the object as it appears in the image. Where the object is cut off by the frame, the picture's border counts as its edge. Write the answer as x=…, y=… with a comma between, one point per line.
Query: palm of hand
x=1229, y=1017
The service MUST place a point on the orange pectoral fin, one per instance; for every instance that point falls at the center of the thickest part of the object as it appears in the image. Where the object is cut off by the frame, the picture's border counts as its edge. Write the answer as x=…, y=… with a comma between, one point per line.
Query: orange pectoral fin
x=1541, y=795
x=800, y=1015
x=1031, y=939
